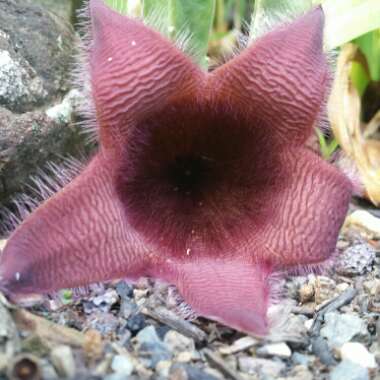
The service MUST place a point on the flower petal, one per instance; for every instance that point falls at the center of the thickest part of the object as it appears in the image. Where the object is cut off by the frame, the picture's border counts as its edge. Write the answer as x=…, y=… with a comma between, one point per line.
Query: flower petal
x=304, y=210
x=134, y=71
x=234, y=291
x=77, y=237
x=281, y=79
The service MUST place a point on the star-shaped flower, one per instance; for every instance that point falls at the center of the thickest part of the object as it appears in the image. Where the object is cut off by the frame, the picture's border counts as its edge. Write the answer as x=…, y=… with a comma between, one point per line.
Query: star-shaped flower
x=202, y=179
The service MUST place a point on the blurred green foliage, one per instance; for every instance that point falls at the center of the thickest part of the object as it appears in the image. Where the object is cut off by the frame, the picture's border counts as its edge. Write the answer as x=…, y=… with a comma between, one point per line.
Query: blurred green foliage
x=346, y=20
x=182, y=17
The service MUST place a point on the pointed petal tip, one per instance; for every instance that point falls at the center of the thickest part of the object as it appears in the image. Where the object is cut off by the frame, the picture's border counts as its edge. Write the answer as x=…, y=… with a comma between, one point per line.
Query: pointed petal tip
x=288, y=100
x=236, y=294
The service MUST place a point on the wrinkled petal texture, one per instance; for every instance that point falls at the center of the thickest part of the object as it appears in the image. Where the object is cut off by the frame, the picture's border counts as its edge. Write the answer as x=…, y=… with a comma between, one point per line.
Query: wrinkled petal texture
x=202, y=179
x=79, y=236
x=281, y=79
x=134, y=71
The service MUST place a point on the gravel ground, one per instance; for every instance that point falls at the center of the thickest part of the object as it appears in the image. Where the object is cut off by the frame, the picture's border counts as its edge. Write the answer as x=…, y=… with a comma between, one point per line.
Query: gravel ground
x=325, y=327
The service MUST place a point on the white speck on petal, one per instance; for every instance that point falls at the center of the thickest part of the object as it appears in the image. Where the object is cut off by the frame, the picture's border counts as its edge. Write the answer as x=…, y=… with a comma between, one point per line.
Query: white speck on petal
x=188, y=250
x=110, y=59
x=133, y=43
x=17, y=276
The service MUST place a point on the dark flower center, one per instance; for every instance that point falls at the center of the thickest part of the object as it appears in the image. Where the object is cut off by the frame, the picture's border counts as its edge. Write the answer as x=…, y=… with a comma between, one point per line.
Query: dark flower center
x=189, y=173
x=191, y=178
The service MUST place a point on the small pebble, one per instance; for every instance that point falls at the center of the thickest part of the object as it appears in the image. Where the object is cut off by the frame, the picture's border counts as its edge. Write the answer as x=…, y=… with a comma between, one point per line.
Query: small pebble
x=265, y=367
x=341, y=328
x=122, y=364
x=48, y=371
x=105, y=301
x=185, y=357
x=63, y=360
x=300, y=372
x=309, y=324
x=188, y=372
x=124, y=290
x=342, y=287
x=321, y=349
x=306, y=293
x=358, y=354
x=93, y=345
x=325, y=289
x=127, y=308
x=177, y=342
x=240, y=344
x=163, y=368
x=302, y=359
x=372, y=286
x=151, y=347
x=280, y=350
x=356, y=260
x=136, y=323
x=347, y=370
x=115, y=376
x=365, y=221
x=105, y=323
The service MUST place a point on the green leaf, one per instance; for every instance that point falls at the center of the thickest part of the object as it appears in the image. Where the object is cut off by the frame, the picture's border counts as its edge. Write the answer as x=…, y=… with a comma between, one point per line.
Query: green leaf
x=67, y=295
x=349, y=19
x=120, y=6
x=267, y=14
x=183, y=16
x=359, y=77
x=327, y=147
x=370, y=46
x=345, y=19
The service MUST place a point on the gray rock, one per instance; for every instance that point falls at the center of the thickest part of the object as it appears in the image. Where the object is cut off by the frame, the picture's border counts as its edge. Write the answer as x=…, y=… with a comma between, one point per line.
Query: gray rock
x=177, y=342
x=347, y=370
x=117, y=376
x=300, y=372
x=105, y=323
x=135, y=323
x=185, y=371
x=358, y=353
x=163, y=369
x=124, y=289
x=341, y=328
x=301, y=359
x=266, y=367
x=63, y=8
x=35, y=55
x=36, y=50
x=280, y=350
x=321, y=349
x=106, y=300
x=292, y=331
x=127, y=308
x=151, y=348
x=356, y=260
x=27, y=142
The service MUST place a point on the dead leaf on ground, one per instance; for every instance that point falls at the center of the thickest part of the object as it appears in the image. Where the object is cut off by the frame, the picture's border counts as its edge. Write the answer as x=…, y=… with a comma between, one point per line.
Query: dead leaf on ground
x=353, y=136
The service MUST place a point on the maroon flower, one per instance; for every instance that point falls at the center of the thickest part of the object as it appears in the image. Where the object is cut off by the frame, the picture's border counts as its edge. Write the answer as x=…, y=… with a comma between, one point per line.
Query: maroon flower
x=202, y=179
